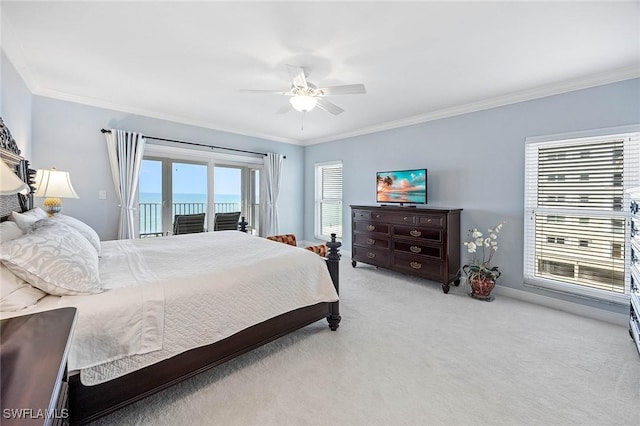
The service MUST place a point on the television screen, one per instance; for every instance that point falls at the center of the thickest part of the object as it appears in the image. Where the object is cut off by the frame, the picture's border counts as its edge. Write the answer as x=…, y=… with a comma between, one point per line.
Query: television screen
x=402, y=186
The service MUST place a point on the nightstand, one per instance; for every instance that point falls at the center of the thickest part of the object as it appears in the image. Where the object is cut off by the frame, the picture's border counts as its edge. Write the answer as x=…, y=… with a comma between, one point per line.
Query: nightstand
x=33, y=367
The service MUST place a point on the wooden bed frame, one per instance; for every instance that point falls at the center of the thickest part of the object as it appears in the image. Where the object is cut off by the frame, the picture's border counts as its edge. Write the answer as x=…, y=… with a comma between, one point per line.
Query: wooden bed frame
x=87, y=403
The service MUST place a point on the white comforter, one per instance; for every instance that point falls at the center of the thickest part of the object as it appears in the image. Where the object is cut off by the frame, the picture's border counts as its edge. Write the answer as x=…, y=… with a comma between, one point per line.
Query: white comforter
x=171, y=294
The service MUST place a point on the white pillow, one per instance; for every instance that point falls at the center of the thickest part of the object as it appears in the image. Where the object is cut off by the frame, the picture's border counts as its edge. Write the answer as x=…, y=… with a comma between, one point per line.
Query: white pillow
x=16, y=293
x=9, y=230
x=54, y=258
x=81, y=227
x=37, y=212
x=24, y=221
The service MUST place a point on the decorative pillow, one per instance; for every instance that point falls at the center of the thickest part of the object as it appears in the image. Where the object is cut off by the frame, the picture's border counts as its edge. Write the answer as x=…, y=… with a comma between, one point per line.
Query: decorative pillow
x=9, y=230
x=81, y=227
x=24, y=221
x=284, y=238
x=37, y=212
x=16, y=293
x=54, y=258
x=320, y=249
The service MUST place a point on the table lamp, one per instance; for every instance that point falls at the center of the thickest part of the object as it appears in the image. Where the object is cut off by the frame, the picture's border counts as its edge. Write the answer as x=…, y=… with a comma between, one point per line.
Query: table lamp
x=10, y=183
x=53, y=184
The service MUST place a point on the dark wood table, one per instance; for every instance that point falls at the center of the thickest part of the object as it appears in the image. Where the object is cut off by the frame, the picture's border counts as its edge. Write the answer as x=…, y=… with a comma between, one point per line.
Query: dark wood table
x=33, y=364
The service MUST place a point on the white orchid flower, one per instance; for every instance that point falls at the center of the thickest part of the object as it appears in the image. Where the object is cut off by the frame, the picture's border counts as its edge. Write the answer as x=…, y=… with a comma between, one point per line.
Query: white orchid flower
x=486, y=242
x=476, y=234
x=471, y=247
x=493, y=236
x=479, y=241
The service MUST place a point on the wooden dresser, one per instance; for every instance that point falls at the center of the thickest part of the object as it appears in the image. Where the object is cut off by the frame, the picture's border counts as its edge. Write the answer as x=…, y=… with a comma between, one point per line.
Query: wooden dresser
x=419, y=241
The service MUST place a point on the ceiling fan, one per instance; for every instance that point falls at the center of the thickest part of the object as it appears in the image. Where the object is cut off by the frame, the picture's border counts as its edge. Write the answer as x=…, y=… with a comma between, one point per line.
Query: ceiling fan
x=305, y=96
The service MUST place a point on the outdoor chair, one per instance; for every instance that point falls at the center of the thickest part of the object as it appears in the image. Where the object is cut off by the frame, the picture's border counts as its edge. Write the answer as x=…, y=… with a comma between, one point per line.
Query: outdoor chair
x=188, y=223
x=226, y=221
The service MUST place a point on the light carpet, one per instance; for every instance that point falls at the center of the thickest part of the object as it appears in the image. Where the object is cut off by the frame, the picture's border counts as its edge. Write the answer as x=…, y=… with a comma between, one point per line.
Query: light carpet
x=408, y=354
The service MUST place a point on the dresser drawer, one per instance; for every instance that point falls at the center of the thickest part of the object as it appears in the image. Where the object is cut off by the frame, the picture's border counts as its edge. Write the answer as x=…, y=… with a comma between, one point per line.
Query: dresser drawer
x=372, y=256
x=370, y=240
x=394, y=217
x=367, y=226
x=418, y=265
x=361, y=215
x=435, y=221
x=409, y=247
x=425, y=234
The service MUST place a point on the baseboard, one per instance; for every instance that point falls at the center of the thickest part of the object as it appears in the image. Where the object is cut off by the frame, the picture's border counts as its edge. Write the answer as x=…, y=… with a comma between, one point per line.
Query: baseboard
x=563, y=305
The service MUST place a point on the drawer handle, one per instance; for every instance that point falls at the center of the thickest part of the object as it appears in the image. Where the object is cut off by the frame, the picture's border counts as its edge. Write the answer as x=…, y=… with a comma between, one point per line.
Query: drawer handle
x=415, y=233
x=429, y=220
x=416, y=265
x=377, y=216
x=370, y=228
x=406, y=218
x=415, y=249
x=371, y=255
x=371, y=241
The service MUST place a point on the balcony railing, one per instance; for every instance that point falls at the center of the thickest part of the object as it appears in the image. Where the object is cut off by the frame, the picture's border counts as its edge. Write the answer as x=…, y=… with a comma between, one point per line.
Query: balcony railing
x=151, y=214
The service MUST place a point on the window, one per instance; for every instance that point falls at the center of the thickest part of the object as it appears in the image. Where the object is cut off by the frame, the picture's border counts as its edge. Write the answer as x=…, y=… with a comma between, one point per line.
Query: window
x=587, y=209
x=328, y=204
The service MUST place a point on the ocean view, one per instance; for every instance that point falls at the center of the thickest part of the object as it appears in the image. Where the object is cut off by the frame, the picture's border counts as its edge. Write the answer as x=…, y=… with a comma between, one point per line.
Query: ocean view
x=153, y=197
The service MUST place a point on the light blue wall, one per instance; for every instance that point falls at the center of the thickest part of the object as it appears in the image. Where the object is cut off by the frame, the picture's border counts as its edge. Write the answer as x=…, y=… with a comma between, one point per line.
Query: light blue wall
x=15, y=105
x=475, y=160
x=67, y=135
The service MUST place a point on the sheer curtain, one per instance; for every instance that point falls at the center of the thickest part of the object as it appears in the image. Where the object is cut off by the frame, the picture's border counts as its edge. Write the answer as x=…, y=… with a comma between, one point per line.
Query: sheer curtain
x=272, y=173
x=125, y=155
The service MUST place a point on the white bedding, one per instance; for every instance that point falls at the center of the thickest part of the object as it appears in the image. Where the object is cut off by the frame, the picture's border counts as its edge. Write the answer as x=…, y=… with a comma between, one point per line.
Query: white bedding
x=171, y=294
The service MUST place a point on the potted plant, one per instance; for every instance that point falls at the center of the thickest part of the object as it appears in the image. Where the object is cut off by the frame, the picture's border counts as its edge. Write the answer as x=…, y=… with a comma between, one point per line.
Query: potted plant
x=481, y=275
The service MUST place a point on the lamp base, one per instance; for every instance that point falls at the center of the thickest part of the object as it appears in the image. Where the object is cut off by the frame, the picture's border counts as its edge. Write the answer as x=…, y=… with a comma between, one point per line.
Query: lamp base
x=52, y=206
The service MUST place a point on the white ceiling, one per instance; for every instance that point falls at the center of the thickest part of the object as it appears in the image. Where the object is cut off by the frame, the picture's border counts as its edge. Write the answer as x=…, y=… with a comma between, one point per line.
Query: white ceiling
x=186, y=62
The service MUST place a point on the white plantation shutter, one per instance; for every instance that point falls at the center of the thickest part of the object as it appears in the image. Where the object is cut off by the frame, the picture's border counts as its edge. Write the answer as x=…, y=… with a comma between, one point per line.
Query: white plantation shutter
x=328, y=200
x=576, y=210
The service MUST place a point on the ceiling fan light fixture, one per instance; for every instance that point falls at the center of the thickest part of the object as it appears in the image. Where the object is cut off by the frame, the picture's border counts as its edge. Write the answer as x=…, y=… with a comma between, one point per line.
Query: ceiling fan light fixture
x=303, y=103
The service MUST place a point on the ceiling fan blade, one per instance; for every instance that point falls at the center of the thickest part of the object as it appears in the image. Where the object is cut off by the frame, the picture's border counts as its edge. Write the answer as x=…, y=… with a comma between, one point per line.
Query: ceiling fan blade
x=329, y=106
x=297, y=76
x=348, y=89
x=276, y=92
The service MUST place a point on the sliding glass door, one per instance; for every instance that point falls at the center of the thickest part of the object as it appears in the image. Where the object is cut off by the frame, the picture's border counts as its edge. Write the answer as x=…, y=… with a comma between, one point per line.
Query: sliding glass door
x=236, y=188
x=170, y=186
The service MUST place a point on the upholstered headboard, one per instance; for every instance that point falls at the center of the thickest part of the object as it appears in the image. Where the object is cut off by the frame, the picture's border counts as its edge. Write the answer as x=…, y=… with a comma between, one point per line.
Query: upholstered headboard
x=10, y=154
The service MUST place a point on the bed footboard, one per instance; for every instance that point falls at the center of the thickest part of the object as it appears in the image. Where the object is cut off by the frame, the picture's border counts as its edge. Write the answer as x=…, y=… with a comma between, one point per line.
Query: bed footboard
x=333, y=264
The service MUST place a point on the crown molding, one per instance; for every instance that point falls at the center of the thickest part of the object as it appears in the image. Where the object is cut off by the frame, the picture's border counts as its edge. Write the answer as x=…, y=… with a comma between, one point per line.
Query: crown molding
x=512, y=98
x=157, y=115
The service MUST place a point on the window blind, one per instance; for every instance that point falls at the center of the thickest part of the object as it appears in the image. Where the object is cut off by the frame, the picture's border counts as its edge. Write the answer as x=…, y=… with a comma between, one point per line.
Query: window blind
x=576, y=209
x=329, y=200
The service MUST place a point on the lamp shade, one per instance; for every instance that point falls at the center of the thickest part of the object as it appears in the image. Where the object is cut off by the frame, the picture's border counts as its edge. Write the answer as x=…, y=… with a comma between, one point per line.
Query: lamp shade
x=10, y=183
x=54, y=183
x=303, y=103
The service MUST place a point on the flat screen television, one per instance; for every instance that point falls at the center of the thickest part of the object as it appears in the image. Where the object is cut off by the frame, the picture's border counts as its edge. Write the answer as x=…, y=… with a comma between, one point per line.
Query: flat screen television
x=402, y=186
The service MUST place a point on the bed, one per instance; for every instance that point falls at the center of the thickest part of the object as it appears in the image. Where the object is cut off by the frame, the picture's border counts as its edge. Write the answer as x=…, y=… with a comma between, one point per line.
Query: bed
x=226, y=293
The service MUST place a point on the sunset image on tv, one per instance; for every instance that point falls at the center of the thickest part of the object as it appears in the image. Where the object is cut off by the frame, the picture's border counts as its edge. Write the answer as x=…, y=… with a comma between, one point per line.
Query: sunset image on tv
x=406, y=186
